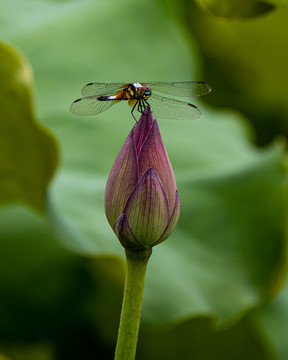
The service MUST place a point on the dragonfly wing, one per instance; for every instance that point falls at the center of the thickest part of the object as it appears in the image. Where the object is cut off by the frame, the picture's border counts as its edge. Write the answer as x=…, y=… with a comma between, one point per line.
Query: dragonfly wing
x=180, y=89
x=102, y=88
x=166, y=108
x=90, y=105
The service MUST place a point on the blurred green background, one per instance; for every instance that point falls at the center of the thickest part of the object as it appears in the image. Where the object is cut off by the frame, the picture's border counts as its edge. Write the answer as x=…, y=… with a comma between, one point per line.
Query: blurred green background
x=216, y=289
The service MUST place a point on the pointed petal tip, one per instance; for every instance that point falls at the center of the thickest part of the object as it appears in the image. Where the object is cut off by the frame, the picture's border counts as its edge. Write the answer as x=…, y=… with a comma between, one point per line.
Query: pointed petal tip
x=125, y=234
x=172, y=221
x=146, y=117
x=147, y=111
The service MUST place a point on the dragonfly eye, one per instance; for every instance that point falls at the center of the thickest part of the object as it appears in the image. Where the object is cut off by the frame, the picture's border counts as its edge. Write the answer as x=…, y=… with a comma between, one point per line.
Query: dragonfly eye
x=147, y=92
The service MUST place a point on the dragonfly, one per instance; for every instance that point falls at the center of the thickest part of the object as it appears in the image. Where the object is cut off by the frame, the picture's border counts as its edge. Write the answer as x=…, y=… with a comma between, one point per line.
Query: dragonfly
x=99, y=97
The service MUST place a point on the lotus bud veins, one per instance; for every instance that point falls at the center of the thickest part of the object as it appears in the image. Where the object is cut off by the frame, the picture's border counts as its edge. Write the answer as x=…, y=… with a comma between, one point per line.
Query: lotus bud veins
x=141, y=199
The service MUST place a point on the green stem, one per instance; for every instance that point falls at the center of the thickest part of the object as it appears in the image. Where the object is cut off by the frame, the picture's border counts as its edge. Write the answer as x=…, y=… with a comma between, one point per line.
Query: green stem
x=136, y=263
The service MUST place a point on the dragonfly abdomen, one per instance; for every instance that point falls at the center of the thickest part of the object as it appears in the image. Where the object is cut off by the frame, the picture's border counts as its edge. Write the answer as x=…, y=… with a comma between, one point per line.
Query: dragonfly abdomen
x=122, y=95
x=106, y=98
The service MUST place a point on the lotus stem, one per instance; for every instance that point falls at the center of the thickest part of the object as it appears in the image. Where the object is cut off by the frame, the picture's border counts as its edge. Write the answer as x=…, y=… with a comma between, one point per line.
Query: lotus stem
x=136, y=263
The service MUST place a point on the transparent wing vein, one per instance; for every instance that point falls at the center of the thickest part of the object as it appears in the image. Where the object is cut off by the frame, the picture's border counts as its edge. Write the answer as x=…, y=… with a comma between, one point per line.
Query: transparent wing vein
x=180, y=89
x=90, y=105
x=166, y=108
x=102, y=88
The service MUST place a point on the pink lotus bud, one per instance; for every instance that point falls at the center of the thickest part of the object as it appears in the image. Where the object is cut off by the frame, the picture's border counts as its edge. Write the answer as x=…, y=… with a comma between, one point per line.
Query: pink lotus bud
x=141, y=199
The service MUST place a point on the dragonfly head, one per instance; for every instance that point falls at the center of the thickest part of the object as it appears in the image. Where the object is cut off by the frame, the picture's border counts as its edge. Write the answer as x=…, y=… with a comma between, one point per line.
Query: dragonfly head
x=144, y=92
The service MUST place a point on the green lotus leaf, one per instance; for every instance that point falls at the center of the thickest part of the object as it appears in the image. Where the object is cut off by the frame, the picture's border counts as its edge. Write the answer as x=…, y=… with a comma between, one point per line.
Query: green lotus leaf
x=239, y=9
x=272, y=320
x=247, y=60
x=28, y=152
x=198, y=338
x=50, y=295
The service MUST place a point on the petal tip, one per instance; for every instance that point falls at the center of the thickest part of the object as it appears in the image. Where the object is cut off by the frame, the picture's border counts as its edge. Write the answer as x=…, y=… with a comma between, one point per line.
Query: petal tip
x=125, y=234
x=172, y=221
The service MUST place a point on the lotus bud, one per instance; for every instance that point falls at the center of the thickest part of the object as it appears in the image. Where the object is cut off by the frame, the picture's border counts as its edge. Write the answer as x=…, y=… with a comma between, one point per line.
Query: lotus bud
x=141, y=199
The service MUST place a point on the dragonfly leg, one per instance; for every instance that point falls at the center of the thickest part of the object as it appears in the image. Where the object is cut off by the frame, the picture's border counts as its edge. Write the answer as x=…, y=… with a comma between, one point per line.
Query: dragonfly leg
x=133, y=111
x=146, y=103
x=141, y=106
